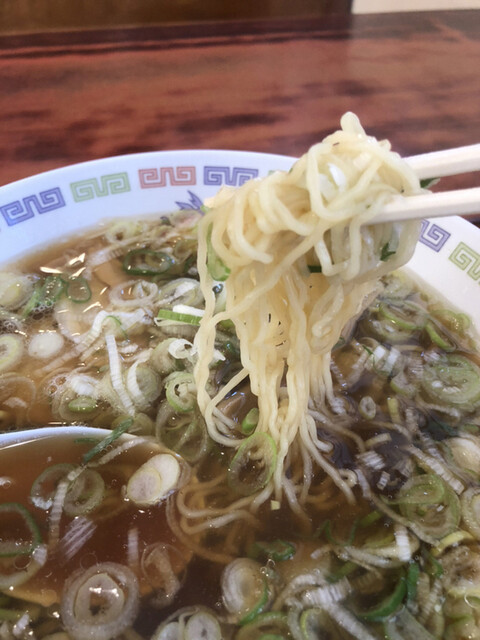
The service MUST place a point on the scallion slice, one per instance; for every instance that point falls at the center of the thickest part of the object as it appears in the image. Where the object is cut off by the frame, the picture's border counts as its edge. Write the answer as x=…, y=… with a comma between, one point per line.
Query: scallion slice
x=78, y=289
x=253, y=465
x=180, y=391
x=453, y=380
x=413, y=573
x=84, y=494
x=103, y=444
x=215, y=265
x=11, y=351
x=245, y=590
x=250, y=421
x=145, y=262
x=276, y=550
x=202, y=624
x=168, y=314
x=439, y=337
x=428, y=501
x=187, y=437
x=14, y=517
x=154, y=480
x=470, y=501
x=389, y=605
x=82, y=404
x=44, y=295
x=45, y=485
x=269, y=623
x=405, y=315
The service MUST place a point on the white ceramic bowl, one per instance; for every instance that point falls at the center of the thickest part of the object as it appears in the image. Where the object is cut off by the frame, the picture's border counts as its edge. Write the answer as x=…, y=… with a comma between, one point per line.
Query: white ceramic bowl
x=42, y=209
x=16, y=438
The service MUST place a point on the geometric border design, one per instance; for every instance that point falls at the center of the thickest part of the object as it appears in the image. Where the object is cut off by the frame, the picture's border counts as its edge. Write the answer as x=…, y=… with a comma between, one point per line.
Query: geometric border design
x=232, y=176
x=466, y=259
x=161, y=177
x=433, y=236
x=93, y=188
x=43, y=202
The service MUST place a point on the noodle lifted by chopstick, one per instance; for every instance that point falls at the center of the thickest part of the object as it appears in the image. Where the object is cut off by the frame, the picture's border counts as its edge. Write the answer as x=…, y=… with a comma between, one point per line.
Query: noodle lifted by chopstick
x=275, y=235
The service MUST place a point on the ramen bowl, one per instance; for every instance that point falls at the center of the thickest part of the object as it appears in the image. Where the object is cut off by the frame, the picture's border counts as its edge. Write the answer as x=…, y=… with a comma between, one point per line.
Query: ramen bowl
x=48, y=209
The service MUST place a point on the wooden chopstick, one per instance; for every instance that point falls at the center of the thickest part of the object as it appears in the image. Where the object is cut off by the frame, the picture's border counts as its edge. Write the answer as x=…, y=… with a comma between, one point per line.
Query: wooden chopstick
x=437, y=164
x=461, y=202
x=448, y=162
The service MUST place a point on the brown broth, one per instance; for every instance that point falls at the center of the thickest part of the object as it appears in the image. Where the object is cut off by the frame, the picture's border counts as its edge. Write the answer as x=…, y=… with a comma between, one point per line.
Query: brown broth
x=113, y=523
x=329, y=522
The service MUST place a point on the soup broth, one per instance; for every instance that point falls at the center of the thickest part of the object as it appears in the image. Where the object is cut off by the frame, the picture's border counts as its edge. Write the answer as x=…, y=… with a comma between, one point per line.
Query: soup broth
x=101, y=332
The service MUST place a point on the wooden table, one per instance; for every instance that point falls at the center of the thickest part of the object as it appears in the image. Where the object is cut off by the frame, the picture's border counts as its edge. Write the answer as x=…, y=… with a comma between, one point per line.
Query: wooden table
x=275, y=86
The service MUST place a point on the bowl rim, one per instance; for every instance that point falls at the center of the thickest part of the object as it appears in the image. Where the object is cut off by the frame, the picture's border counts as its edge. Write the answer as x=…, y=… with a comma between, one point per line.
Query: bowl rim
x=140, y=155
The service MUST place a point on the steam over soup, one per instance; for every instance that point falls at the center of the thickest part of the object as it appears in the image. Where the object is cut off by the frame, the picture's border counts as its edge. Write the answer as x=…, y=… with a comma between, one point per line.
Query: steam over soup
x=294, y=433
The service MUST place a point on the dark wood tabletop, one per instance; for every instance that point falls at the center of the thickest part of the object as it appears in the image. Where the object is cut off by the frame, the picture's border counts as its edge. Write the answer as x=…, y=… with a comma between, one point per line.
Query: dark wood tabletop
x=266, y=85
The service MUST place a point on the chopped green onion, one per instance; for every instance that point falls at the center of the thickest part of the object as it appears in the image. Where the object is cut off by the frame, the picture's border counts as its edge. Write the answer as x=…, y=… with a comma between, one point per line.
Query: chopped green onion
x=370, y=518
x=180, y=291
x=45, y=485
x=15, y=517
x=103, y=444
x=315, y=268
x=314, y=624
x=453, y=380
x=425, y=183
x=405, y=315
x=245, y=590
x=402, y=386
x=82, y=404
x=215, y=265
x=188, y=438
x=253, y=465
x=78, y=289
x=326, y=528
x=470, y=501
x=180, y=391
x=15, y=290
x=367, y=408
x=84, y=494
x=388, y=605
x=44, y=295
x=386, y=252
x=425, y=499
x=413, y=573
x=11, y=351
x=276, y=550
x=432, y=565
x=345, y=570
x=202, y=624
x=168, y=314
x=265, y=624
x=439, y=338
x=145, y=262
x=455, y=322
x=154, y=480
x=250, y=421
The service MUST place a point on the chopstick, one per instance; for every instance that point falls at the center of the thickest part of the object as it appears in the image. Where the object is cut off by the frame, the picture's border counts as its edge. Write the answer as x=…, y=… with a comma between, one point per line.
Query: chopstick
x=438, y=164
